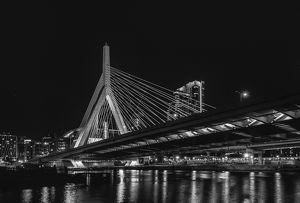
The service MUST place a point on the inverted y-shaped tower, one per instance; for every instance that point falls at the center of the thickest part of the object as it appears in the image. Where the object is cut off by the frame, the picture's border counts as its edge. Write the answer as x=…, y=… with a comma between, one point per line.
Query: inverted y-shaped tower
x=101, y=94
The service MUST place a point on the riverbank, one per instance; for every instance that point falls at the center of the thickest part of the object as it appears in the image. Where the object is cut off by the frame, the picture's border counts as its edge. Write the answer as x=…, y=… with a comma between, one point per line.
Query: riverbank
x=202, y=167
x=213, y=167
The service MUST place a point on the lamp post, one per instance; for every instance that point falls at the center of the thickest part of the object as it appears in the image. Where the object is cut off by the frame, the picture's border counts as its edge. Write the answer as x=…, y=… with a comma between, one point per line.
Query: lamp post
x=243, y=95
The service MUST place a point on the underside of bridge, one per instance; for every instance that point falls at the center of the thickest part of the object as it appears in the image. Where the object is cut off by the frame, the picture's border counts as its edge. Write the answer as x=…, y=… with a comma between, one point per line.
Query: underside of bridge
x=260, y=137
x=265, y=124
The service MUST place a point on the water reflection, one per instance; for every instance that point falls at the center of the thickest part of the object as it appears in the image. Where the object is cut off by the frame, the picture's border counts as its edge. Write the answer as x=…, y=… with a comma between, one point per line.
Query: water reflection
x=164, y=186
x=246, y=186
x=27, y=195
x=226, y=189
x=278, y=189
x=213, y=193
x=133, y=186
x=121, y=187
x=155, y=191
x=45, y=195
x=234, y=188
x=199, y=186
x=252, y=186
x=70, y=193
x=193, y=189
x=195, y=196
x=295, y=185
x=262, y=189
x=167, y=186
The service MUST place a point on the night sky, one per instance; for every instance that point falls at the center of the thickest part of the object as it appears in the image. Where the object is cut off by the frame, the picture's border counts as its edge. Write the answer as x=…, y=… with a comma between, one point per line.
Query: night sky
x=51, y=53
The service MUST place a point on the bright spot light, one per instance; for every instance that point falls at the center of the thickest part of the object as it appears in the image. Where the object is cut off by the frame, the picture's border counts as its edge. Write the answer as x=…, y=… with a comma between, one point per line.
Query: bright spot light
x=246, y=155
x=243, y=95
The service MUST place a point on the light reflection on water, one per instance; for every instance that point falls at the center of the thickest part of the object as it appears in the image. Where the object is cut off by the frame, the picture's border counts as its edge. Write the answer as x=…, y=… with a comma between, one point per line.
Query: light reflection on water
x=251, y=187
x=26, y=195
x=70, y=193
x=45, y=194
x=166, y=186
x=278, y=189
x=121, y=187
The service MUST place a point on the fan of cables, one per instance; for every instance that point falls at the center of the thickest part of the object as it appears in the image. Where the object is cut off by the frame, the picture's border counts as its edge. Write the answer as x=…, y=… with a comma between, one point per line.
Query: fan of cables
x=142, y=104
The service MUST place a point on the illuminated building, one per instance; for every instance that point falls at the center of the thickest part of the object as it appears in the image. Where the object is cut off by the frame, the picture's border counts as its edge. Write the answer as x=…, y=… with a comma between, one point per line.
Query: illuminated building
x=27, y=150
x=8, y=147
x=60, y=145
x=188, y=100
x=49, y=143
x=52, y=143
x=42, y=148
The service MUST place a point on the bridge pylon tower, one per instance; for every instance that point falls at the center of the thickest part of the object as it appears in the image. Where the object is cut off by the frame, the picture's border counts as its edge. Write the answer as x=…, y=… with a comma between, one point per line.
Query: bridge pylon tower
x=102, y=94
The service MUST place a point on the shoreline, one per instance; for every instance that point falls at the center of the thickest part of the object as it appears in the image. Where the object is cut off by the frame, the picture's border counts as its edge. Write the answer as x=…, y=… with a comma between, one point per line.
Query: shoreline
x=202, y=167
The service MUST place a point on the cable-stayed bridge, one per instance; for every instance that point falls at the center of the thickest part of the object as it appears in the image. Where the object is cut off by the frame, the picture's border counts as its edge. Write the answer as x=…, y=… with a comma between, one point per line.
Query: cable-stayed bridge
x=124, y=103
x=129, y=117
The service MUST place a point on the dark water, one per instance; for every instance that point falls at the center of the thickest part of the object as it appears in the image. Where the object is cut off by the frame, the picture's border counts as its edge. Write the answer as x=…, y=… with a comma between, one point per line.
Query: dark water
x=165, y=186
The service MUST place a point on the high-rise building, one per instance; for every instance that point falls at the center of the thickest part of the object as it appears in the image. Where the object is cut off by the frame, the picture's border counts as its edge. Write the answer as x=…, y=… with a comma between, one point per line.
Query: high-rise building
x=42, y=149
x=188, y=100
x=8, y=147
x=27, y=149
x=55, y=143
x=60, y=145
x=49, y=141
x=14, y=148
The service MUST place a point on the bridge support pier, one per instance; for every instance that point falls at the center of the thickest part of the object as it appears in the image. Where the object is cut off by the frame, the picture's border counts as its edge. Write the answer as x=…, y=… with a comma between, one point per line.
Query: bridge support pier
x=250, y=155
x=259, y=153
x=208, y=154
x=144, y=160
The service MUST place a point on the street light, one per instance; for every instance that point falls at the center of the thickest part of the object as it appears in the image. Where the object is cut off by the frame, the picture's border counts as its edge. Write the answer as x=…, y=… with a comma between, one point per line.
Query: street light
x=243, y=95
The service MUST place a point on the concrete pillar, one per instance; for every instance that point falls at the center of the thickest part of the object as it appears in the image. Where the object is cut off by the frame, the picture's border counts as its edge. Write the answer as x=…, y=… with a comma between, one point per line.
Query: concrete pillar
x=208, y=157
x=260, y=160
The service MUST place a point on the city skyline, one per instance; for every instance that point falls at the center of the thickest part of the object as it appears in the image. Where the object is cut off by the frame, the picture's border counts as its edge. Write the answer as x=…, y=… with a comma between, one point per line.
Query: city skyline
x=52, y=57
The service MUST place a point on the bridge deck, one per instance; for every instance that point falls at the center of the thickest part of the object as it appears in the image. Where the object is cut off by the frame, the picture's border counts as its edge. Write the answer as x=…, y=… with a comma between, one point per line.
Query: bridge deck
x=262, y=124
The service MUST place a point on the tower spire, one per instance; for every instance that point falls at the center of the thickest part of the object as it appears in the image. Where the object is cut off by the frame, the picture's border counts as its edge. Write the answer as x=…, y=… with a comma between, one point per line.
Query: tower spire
x=106, y=66
x=103, y=93
x=106, y=58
